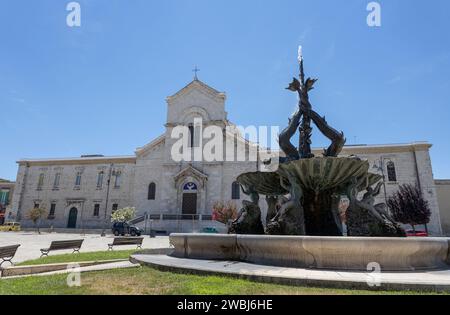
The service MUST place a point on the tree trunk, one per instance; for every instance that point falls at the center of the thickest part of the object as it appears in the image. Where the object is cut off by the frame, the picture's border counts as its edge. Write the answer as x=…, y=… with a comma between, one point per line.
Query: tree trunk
x=414, y=228
x=426, y=228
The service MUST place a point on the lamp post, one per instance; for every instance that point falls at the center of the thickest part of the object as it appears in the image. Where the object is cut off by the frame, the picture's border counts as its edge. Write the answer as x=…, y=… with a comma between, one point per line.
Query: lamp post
x=108, y=184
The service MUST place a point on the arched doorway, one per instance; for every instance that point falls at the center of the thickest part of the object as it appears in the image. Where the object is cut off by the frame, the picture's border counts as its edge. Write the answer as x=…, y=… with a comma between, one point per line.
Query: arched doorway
x=72, y=222
x=189, y=202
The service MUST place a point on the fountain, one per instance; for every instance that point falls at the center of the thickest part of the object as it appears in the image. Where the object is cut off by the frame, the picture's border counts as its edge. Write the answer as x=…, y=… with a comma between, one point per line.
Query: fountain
x=303, y=194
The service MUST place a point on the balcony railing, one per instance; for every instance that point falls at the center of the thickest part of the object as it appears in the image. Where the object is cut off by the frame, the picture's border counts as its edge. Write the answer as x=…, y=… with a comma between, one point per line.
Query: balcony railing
x=180, y=217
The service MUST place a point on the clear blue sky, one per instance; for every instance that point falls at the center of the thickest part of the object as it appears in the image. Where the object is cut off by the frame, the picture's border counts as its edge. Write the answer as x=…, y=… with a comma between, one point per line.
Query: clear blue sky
x=101, y=88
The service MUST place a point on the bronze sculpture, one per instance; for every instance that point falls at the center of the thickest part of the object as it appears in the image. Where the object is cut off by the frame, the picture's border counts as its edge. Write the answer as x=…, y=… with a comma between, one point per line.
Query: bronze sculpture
x=248, y=220
x=309, y=185
x=364, y=218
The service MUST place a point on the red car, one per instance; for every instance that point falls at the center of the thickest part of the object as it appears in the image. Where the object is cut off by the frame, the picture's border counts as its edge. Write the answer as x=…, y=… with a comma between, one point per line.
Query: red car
x=411, y=233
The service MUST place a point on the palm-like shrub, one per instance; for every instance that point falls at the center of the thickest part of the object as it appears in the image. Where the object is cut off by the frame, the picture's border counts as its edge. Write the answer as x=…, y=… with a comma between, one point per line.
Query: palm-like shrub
x=35, y=215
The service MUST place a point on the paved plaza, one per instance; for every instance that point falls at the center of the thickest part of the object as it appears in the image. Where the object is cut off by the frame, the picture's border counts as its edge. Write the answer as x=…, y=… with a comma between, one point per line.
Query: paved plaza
x=31, y=243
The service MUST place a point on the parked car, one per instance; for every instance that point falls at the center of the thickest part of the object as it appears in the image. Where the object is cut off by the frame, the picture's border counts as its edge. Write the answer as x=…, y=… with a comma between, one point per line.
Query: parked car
x=123, y=228
x=411, y=233
x=10, y=227
x=210, y=230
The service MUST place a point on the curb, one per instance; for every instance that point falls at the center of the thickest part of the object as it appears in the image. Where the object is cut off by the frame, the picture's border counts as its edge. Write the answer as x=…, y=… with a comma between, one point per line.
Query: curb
x=36, y=269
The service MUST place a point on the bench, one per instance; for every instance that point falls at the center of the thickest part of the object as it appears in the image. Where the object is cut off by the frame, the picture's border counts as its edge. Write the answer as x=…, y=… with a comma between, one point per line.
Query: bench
x=7, y=253
x=60, y=245
x=119, y=241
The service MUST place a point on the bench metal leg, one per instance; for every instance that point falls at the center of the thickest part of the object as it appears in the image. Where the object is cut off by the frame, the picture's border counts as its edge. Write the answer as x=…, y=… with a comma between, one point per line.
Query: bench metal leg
x=110, y=247
x=76, y=250
x=7, y=260
x=139, y=247
x=44, y=254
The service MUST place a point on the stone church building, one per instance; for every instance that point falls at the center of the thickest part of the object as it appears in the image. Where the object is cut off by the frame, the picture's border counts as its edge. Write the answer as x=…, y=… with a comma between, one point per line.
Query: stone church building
x=81, y=193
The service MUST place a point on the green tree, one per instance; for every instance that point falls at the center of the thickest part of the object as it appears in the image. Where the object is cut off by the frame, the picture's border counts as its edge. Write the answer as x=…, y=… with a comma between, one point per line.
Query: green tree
x=123, y=215
x=408, y=206
x=35, y=215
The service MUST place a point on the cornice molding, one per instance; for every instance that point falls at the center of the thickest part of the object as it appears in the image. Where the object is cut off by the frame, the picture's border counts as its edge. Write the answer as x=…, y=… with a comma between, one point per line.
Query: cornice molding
x=78, y=161
x=142, y=150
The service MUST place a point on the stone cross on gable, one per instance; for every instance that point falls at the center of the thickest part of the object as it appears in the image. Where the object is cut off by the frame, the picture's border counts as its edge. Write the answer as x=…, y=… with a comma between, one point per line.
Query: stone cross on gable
x=195, y=70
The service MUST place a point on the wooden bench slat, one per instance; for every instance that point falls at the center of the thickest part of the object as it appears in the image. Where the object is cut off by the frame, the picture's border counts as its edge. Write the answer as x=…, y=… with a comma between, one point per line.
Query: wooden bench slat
x=117, y=241
x=60, y=245
x=7, y=253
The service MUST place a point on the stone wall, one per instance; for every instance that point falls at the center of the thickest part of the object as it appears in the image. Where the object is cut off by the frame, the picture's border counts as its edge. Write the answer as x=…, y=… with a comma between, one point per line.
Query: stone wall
x=443, y=193
x=67, y=195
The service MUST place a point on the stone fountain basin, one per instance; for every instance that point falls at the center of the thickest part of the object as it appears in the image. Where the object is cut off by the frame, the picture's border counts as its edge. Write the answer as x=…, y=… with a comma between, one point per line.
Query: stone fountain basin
x=316, y=252
x=315, y=174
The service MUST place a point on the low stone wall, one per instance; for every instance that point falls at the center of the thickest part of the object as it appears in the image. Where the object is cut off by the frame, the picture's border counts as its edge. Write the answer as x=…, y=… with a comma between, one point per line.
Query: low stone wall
x=341, y=253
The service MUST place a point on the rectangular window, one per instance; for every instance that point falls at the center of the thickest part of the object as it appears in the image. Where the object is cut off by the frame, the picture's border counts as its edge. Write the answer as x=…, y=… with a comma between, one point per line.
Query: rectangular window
x=100, y=180
x=117, y=180
x=392, y=174
x=56, y=181
x=36, y=205
x=96, y=210
x=51, y=214
x=4, y=197
x=78, y=180
x=40, y=181
x=115, y=206
x=235, y=191
x=191, y=136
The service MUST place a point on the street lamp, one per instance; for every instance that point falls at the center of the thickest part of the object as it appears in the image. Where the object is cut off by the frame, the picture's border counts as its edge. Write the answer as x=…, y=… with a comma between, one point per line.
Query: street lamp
x=108, y=184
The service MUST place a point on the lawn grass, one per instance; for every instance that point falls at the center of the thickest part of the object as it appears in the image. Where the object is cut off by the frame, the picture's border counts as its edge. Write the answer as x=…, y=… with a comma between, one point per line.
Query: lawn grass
x=79, y=257
x=146, y=280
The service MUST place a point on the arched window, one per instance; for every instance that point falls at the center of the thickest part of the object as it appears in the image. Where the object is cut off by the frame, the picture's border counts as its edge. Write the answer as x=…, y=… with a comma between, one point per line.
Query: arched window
x=392, y=175
x=152, y=191
x=235, y=191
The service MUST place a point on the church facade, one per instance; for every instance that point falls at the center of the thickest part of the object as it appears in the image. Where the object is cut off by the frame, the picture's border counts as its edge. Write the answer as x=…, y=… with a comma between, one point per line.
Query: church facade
x=81, y=193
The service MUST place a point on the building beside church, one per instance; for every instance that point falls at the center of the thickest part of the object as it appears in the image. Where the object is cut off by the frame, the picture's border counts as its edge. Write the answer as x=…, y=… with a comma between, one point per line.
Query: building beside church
x=443, y=194
x=6, y=194
x=81, y=193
